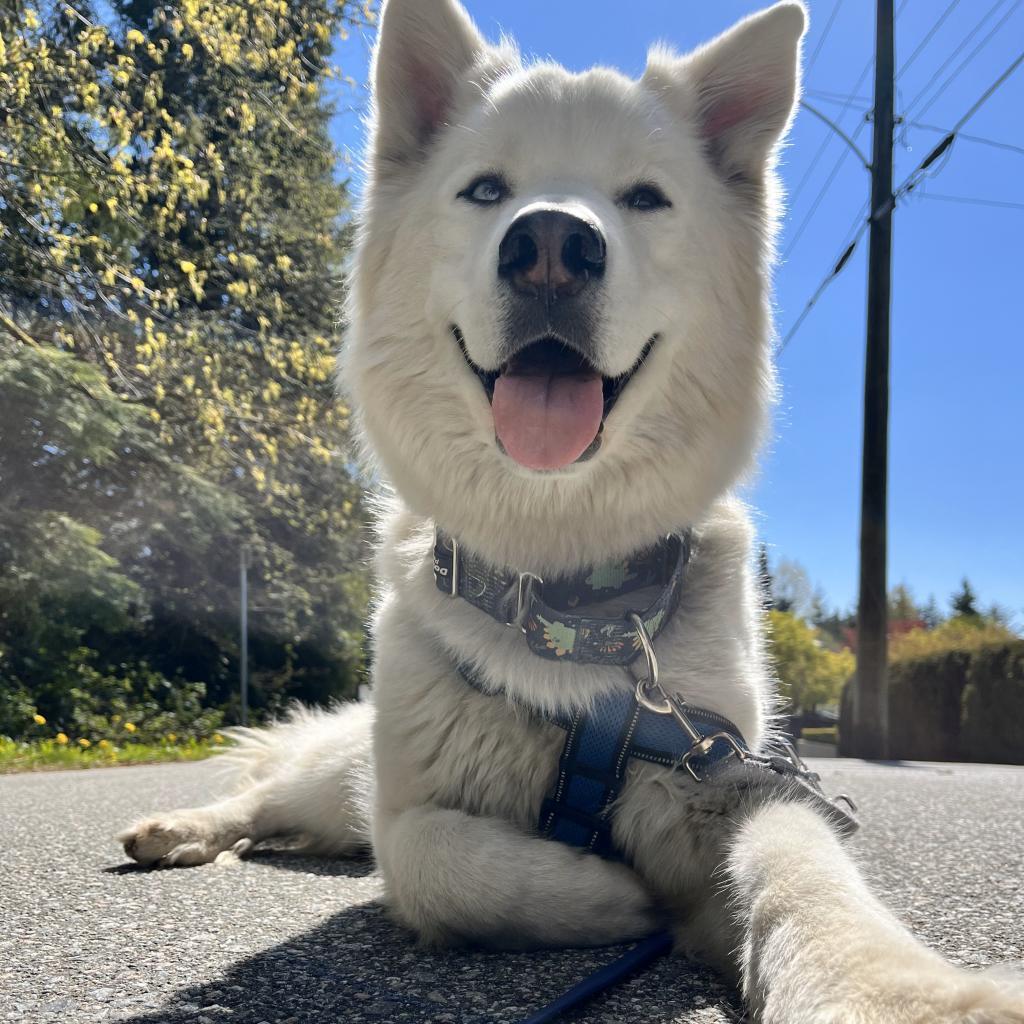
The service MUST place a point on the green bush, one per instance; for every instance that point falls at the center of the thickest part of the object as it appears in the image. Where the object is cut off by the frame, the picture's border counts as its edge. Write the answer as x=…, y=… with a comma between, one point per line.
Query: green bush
x=960, y=633
x=925, y=697
x=955, y=705
x=993, y=706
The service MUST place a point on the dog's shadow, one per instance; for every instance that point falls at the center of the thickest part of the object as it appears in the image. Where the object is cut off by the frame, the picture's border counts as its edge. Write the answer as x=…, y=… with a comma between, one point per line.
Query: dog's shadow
x=359, y=966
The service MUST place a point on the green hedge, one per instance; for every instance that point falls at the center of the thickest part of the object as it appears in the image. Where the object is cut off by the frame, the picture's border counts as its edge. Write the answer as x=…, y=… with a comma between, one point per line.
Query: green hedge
x=925, y=697
x=956, y=706
x=993, y=706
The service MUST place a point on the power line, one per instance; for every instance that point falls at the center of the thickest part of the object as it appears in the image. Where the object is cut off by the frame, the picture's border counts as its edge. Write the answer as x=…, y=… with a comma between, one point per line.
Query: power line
x=995, y=143
x=989, y=91
x=791, y=245
x=840, y=98
x=837, y=269
x=927, y=39
x=915, y=176
x=908, y=185
x=967, y=60
x=970, y=200
x=829, y=96
x=964, y=43
x=818, y=199
x=824, y=35
x=839, y=131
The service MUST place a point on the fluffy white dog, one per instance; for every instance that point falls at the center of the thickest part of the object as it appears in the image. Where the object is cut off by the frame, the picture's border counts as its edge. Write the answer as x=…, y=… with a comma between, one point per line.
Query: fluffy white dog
x=560, y=355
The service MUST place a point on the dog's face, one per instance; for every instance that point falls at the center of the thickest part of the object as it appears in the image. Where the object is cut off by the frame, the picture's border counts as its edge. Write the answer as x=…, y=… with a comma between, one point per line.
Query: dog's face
x=559, y=344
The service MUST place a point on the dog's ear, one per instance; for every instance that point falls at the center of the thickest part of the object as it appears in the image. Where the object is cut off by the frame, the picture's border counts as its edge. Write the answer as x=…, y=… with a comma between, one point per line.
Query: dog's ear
x=425, y=51
x=741, y=88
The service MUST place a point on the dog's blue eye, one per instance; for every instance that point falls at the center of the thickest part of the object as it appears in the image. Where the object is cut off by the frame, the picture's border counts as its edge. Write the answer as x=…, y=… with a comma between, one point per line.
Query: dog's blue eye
x=486, y=190
x=644, y=197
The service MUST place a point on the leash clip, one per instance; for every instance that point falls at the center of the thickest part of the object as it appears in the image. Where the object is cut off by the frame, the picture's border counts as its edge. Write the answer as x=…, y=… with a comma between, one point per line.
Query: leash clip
x=650, y=695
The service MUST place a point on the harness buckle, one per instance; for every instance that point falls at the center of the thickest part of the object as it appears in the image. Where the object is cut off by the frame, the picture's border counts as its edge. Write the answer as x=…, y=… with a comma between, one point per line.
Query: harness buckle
x=526, y=582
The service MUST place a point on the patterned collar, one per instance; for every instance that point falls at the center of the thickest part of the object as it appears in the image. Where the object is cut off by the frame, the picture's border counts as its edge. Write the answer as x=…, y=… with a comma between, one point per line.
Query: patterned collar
x=543, y=609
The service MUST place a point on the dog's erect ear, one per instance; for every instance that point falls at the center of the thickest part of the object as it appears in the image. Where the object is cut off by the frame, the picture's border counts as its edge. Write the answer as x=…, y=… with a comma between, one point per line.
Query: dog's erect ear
x=424, y=51
x=741, y=87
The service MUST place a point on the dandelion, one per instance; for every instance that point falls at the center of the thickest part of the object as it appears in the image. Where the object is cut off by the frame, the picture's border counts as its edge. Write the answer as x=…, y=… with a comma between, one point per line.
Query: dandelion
x=129, y=727
x=62, y=738
x=84, y=743
x=104, y=744
x=38, y=719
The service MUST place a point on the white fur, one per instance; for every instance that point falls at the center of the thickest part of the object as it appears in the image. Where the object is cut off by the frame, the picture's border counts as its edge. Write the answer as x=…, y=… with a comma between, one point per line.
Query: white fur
x=764, y=889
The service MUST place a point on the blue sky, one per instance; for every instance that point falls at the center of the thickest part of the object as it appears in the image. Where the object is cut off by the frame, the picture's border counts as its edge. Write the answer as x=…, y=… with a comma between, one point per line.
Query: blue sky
x=957, y=444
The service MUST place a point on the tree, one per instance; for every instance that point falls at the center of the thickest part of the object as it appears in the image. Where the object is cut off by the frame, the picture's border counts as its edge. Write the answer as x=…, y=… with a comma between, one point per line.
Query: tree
x=902, y=607
x=764, y=578
x=793, y=589
x=170, y=222
x=964, y=601
x=809, y=673
x=930, y=614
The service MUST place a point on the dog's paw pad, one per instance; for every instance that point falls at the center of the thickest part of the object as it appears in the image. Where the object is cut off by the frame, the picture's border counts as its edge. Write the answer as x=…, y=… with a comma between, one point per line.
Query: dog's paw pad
x=169, y=841
x=232, y=856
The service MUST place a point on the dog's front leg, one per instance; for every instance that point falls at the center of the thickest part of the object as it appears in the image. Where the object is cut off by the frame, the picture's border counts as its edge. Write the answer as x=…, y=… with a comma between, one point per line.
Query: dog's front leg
x=455, y=878
x=818, y=948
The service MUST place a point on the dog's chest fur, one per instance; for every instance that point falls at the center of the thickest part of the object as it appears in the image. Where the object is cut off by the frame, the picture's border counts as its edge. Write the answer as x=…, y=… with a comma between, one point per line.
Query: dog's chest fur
x=441, y=742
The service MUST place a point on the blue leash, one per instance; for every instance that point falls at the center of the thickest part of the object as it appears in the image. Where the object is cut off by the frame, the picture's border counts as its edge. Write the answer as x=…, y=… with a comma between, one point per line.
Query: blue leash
x=643, y=953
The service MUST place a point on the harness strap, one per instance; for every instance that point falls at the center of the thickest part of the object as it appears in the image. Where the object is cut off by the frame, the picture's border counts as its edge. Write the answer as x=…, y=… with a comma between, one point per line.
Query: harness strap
x=620, y=726
x=543, y=608
x=599, y=746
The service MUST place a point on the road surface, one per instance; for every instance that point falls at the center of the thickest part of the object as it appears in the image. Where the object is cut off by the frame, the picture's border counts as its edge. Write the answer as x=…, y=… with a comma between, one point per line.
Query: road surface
x=286, y=940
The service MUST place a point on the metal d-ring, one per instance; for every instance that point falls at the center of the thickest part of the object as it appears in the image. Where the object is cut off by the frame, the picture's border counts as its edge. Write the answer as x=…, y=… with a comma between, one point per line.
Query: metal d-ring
x=456, y=568
x=526, y=586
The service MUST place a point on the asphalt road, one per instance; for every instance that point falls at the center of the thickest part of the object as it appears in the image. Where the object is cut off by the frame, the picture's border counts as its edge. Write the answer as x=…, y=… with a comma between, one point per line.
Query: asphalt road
x=286, y=940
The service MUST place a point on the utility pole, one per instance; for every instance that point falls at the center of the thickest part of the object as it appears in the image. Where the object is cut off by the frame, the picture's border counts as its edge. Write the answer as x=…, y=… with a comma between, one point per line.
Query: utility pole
x=871, y=691
x=243, y=640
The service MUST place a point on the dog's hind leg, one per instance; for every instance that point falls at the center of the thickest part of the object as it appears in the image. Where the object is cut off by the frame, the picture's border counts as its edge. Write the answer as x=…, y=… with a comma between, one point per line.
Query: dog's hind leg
x=309, y=776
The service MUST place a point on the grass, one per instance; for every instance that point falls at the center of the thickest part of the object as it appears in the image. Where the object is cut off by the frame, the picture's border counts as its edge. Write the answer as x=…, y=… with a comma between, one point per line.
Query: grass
x=48, y=754
x=823, y=734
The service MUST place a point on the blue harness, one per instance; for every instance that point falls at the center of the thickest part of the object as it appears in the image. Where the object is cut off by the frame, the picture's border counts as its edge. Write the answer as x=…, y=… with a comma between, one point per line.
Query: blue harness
x=641, y=723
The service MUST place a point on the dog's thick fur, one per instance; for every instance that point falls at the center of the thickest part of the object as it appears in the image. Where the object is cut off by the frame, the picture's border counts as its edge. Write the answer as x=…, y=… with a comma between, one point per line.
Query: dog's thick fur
x=445, y=781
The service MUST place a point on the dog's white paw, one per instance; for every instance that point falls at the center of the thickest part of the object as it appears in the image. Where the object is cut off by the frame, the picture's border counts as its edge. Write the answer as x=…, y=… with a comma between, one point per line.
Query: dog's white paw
x=180, y=839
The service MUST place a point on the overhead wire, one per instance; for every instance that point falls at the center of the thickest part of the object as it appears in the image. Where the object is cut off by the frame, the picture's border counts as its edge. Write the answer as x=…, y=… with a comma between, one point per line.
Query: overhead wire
x=824, y=35
x=929, y=35
x=967, y=60
x=980, y=139
x=833, y=174
x=907, y=186
x=973, y=201
x=964, y=43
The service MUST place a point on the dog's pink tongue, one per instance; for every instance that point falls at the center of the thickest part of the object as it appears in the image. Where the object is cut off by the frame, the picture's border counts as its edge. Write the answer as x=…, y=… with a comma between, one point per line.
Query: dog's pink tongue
x=547, y=420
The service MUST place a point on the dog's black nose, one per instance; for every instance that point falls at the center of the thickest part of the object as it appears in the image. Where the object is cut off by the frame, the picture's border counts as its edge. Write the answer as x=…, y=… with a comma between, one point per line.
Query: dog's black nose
x=550, y=254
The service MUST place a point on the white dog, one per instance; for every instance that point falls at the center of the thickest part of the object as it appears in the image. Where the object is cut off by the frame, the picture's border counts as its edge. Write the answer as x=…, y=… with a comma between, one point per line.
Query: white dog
x=560, y=355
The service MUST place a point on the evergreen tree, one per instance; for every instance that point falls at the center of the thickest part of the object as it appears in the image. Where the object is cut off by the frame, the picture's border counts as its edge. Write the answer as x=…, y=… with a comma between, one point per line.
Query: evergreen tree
x=965, y=602
x=931, y=616
x=764, y=578
x=902, y=607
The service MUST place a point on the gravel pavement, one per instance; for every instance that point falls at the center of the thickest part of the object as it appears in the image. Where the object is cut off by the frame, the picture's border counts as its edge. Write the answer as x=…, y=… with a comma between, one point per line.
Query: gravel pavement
x=292, y=940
